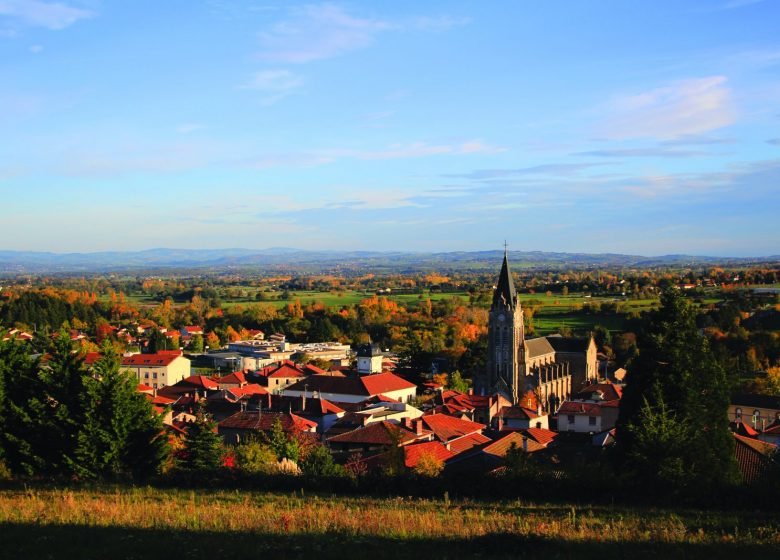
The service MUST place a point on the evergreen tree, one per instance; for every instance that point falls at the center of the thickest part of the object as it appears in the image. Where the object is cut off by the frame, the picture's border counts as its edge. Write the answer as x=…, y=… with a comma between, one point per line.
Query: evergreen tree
x=121, y=433
x=203, y=449
x=676, y=379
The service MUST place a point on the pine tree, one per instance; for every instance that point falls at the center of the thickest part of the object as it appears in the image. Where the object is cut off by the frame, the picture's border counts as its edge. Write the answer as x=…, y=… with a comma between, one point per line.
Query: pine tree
x=121, y=433
x=676, y=379
x=203, y=449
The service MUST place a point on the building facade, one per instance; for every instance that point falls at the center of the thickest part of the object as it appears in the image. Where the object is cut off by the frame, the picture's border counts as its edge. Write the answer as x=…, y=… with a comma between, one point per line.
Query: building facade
x=550, y=367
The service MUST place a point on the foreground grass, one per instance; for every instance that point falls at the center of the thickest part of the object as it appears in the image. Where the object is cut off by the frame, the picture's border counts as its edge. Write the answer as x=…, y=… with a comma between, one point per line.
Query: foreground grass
x=120, y=522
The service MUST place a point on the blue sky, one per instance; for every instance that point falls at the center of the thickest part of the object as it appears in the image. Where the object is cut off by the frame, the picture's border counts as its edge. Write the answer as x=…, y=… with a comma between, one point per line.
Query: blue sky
x=599, y=126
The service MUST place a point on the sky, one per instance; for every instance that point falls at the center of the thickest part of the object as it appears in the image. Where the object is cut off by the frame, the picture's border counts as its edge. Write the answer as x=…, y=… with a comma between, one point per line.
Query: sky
x=602, y=126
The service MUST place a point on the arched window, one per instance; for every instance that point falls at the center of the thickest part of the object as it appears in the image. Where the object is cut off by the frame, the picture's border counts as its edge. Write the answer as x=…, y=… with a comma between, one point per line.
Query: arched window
x=738, y=414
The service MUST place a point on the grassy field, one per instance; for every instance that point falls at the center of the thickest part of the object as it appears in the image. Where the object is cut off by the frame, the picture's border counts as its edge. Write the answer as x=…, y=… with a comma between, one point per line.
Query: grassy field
x=119, y=522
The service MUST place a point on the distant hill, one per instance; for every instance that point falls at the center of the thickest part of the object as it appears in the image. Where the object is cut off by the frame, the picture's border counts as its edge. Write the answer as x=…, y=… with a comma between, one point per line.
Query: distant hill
x=279, y=258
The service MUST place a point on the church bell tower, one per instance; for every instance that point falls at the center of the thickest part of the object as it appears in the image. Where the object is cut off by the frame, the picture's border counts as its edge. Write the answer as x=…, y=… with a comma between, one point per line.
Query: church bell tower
x=506, y=339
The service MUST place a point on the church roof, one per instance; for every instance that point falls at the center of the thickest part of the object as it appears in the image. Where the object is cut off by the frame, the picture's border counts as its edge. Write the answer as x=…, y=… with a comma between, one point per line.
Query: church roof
x=505, y=294
x=569, y=343
x=538, y=347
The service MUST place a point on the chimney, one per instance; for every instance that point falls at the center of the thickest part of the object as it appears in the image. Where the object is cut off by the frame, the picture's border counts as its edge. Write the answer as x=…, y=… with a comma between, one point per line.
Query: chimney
x=418, y=427
x=525, y=444
x=407, y=423
x=470, y=391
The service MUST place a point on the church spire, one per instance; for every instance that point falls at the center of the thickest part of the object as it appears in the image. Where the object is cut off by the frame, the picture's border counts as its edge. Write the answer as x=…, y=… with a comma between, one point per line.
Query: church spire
x=505, y=294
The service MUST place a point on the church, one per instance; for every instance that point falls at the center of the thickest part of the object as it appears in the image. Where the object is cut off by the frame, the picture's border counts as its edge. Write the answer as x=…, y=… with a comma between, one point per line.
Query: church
x=531, y=372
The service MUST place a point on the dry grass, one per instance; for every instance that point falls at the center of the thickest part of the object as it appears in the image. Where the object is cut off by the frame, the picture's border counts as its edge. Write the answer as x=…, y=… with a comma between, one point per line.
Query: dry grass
x=353, y=520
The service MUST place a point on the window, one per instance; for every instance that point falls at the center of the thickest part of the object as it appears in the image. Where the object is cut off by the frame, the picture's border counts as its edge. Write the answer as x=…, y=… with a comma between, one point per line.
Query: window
x=154, y=375
x=738, y=414
x=592, y=420
x=570, y=418
x=756, y=415
x=146, y=375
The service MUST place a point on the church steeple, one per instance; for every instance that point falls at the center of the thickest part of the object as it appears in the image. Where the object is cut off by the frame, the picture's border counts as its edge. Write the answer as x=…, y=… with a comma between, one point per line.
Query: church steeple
x=505, y=294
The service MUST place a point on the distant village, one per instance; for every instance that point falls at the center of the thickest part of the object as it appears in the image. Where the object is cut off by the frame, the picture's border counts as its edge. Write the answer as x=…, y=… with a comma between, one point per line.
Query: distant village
x=553, y=397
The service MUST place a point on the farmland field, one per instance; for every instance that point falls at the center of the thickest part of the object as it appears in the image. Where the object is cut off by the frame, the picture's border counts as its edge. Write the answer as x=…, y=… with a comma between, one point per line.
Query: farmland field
x=120, y=522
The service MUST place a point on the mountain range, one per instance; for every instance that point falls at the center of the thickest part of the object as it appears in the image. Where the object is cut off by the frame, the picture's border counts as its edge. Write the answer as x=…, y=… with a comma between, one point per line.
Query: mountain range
x=280, y=258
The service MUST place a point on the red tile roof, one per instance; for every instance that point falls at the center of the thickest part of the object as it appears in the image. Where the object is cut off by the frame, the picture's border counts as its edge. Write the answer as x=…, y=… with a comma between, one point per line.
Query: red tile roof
x=367, y=385
x=610, y=391
x=144, y=388
x=377, y=433
x=284, y=370
x=517, y=412
x=500, y=447
x=264, y=421
x=248, y=390
x=580, y=408
x=468, y=442
x=199, y=381
x=413, y=453
x=753, y=457
x=235, y=378
x=447, y=427
x=540, y=435
x=161, y=358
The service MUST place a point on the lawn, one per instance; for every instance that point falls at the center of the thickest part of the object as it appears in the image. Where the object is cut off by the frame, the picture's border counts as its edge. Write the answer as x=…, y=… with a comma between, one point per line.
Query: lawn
x=122, y=523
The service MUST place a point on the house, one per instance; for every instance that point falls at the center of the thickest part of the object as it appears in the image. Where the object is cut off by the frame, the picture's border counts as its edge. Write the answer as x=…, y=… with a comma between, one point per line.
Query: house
x=416, y=451
x=321, y=411
x=477, y=408
x=771, y=434
x=448, y=429
x=247, y=424
x=190, y=331
x=278, y=376
x=754, y=458
x=518, y=417
x=165, y=368
x=376, y=438
x=759, y=411
x=194, y=386
x=593, y=409
x=353, y=389
x=232, y=380
x=492, y=455
x=370, y=412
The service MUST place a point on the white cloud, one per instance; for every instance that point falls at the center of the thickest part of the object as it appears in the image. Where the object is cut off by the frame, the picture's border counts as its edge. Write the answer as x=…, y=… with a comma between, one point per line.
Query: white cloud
x=316, y=32
x=274, y=84
x=320, y=31
x=187, y=128
x=685, y=108
x=36, y=13
x=35, y=49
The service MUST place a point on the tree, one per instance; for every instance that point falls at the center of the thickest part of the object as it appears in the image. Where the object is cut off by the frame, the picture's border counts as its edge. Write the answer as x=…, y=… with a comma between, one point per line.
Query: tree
x=196, y=344
x=253, y=457
x=319, y=463
x=457, y=383
x=428, y=466
x=770, y=383
x=121, y=432
x=203, y=449
x=283, y=446
x=676, y=378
